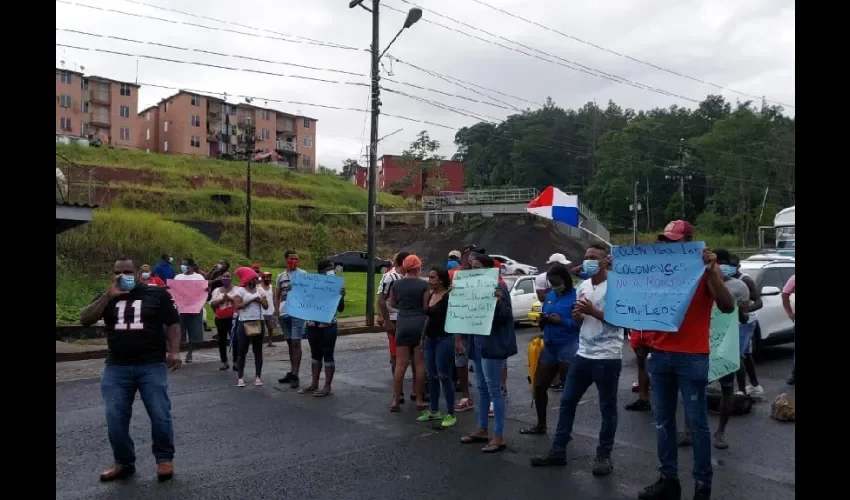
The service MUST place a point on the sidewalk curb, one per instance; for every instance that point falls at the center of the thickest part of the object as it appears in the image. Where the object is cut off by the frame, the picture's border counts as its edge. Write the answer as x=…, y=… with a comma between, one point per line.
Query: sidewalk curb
x=62, y=357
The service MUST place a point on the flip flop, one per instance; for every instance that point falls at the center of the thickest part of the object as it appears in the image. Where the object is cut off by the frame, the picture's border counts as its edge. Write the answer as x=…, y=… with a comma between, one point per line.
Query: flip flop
x=321, y=394
x=533, y=430
x=494, y=448
x=394, y=409
x=308, y=390
x=474, y=439
x=424, y=406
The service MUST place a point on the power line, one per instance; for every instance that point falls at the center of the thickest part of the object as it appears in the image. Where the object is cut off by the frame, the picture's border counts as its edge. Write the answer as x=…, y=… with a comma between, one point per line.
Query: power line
x=631, y=58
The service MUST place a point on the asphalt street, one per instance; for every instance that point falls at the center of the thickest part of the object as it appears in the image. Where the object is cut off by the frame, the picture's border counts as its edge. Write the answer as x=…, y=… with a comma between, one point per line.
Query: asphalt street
x=272, y=443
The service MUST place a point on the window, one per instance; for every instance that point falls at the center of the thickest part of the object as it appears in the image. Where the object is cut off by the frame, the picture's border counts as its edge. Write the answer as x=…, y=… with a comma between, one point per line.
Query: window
x=231, y=110
x=64, y=77
x=125, y=134
x=65, y=123
x=125, y=111
x=306, y=123
x=148, y=116
x=195, y=141
x=526, y=286
x=306, y=161
x=148, y=134
x=166, y=107
x=165, y=146
x=85, y=106
x=65, y=101
x=265, y=134
x=84, y=83
x=308, y=142
x=84, y=129
x=265, y=114
x=196, y=120
x=772, y=277
x=125, y=89
x=165, y=126
x=196, y=100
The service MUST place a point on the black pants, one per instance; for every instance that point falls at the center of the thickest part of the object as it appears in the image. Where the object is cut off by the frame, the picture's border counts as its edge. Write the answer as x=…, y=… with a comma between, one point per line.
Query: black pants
x=256, y=344
x=223, y=326
x=322, y=343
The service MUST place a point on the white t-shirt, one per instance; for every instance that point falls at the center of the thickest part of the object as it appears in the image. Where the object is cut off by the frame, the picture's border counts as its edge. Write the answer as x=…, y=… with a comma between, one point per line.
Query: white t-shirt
x=285, y=284
x=254, y=310
x=386, y=281
x=598, y=339
x=541, y=283
x=189, y=277
x=267, y=311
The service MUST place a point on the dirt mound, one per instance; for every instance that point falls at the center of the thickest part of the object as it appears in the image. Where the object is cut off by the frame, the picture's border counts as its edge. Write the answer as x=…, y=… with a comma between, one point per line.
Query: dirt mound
x=524, y=238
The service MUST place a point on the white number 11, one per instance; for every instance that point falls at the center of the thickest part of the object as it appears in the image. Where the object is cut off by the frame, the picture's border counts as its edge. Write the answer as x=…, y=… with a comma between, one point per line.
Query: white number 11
x=121, y=319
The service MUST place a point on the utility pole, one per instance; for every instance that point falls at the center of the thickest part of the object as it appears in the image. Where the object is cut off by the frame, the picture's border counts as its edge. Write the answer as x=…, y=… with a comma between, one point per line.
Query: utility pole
x=648, y=213
x=635, y=207
x=249, y=149
x=679, y=173
x=373, y=162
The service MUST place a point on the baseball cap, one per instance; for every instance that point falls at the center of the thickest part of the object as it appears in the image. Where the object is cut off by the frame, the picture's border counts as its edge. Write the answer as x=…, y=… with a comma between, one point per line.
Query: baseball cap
x=558, y=258
x=473, y=248
x=676, y=230
x=455, y=253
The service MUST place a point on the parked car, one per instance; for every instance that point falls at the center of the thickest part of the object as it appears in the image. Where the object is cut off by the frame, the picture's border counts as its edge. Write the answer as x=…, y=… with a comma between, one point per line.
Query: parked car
x=522, y=295
x=513, y=267
x=774, y=326
x=357, y=261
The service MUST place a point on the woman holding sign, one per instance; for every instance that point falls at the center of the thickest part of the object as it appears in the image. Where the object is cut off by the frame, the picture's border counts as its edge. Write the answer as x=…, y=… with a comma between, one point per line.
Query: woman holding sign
x=250, y=328
x=322, y=338
x=410, y=296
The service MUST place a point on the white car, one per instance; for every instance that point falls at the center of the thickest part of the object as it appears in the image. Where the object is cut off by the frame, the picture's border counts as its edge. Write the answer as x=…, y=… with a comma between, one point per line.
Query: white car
x=774, y=326
x=513, y=267
x=522, y=295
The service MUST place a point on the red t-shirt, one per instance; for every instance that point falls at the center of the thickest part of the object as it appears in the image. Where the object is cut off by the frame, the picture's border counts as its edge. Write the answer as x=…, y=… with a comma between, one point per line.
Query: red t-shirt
x=155, y=281
x=692, y=337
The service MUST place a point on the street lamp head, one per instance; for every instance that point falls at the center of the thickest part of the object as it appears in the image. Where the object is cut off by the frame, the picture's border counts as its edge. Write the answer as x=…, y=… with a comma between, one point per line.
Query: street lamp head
x=413, y=15
x=354, y=3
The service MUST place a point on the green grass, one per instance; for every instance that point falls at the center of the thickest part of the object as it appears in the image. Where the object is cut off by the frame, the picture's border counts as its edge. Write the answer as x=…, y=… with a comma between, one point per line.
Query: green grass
x=727, y=241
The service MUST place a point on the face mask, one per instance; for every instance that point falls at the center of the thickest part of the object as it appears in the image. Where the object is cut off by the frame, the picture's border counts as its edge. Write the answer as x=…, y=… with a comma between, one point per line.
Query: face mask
x=183, y=268
x=126, y=282
x=331, y=273
x=590, y=267
x=226, y=281
x=728, y=270
x=171, y=259
x=559, y=288
x=292, y=264
x=252, y=284
x=146, y=276
x=583, y=275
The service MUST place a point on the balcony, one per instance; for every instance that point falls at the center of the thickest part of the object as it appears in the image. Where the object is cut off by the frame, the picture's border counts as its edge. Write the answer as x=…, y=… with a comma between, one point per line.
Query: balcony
x=99, y=120
x=213, y=116
x=213, y=136
x=97, y=96
x=285, y=147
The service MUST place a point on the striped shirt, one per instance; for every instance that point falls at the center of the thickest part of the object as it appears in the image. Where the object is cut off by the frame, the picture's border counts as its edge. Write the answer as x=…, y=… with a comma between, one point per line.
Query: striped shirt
x=384, y=288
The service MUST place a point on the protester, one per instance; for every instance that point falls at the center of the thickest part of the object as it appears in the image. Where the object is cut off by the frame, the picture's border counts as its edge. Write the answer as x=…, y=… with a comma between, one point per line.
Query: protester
x=410, y=296
x=789, y=289
x=745, y=337
x=163, y=269
x=250, y=328
x=191, y=324
x=541, y=288
x=135, y=316
x=598, y=361
x=493, y=351
x=268, y=311
x=454, y=260
x=466, y=351
x=440, y=347
x=222, y=304
x=679, y=362
x=217, y=272
x=560, y=340
x=146, y=276
x=389, y=316
x=293, y=328
x=255, y=266
x=322, y=339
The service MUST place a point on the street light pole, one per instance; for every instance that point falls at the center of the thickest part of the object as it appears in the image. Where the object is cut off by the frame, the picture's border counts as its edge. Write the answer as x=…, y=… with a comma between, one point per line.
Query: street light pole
x=373, y=169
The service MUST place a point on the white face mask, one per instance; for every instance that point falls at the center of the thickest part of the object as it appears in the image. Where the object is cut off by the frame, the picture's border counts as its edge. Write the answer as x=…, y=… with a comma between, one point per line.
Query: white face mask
x=331, y=273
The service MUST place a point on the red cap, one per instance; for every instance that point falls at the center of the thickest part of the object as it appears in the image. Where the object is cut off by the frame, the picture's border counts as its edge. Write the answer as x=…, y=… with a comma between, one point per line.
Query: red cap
x=676, y=230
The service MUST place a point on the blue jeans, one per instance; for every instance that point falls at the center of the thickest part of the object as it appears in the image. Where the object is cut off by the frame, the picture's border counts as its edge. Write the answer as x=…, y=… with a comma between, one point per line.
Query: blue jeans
x=745, y=337
x=670, y=372
x=605, y=373
x=488, y=380
x=439, y=361
x=293, y=328
x=118, y=387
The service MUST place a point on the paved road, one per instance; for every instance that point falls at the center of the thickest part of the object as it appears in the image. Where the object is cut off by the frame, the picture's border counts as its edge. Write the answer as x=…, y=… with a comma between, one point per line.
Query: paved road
x=272, y=443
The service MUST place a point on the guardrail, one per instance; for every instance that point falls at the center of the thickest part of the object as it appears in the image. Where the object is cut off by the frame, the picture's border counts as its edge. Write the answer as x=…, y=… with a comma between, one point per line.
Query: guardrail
x=76, y=185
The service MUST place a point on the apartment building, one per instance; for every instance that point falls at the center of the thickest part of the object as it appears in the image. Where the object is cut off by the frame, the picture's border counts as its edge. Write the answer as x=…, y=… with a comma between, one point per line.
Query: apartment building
x=202, y=125
x=96, y=107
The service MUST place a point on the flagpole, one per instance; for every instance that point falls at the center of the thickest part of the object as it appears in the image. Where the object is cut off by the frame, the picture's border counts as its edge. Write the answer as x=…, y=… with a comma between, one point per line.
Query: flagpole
x=600, y=238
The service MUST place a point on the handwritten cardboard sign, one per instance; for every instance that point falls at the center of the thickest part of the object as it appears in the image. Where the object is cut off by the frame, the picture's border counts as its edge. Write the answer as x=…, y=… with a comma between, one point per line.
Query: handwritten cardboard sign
x=471, y=301
x=724, y=341
x=189, y=295
x=314, y=297
x=651, y=286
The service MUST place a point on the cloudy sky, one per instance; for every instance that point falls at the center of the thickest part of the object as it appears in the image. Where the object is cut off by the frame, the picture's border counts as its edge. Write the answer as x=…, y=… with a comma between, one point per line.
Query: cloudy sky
x=743, y=45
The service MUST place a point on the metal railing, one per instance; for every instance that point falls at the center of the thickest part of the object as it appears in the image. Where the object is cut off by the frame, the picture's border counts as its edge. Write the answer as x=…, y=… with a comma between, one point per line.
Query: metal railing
x=78, y=185
x=285, y=146
x=480, y=196
x=99, y=96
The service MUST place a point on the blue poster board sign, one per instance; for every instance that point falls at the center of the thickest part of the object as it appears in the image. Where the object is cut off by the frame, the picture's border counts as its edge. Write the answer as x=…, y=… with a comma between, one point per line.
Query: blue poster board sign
x=314, y=297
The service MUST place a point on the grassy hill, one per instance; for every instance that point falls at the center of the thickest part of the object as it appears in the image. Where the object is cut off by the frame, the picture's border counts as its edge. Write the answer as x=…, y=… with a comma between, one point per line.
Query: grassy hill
x=143, y=195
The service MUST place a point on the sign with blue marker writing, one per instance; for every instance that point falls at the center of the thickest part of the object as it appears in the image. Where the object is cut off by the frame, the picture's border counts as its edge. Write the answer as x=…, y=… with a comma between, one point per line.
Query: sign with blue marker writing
x=651, y=286
x=724, y=343
x=314, y=297
x=472, y=304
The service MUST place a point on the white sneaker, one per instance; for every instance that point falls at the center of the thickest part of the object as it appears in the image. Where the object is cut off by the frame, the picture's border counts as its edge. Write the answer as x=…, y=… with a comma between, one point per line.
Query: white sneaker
x=756, y=392
x=491, y=413
x=240, y=383
x=739, y=393
x=258, y=382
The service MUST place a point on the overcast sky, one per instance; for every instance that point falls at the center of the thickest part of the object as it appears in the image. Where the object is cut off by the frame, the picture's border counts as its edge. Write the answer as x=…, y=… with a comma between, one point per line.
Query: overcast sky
x=744, y=45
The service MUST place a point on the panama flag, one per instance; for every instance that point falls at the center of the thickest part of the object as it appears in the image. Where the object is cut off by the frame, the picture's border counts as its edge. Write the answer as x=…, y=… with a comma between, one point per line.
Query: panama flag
x=556, y=205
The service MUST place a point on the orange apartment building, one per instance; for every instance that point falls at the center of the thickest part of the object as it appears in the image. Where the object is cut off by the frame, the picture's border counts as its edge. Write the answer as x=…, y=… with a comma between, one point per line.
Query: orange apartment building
x=96, y=107
x=197, y=124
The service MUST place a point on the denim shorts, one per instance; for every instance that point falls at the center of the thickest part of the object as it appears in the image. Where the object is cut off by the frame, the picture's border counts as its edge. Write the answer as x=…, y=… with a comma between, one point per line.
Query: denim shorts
x=192, y=328
x=561, y=351
x=745, y=336
x=462, y=360
x=293, y=328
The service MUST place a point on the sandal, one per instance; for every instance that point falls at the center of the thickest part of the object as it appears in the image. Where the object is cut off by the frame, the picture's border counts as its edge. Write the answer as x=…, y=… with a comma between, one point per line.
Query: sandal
x=473, y=438
x=464, y=404
x=533, y=430
x=308, y=390
x=494, y=448
x=395, y=408
x=320, y=394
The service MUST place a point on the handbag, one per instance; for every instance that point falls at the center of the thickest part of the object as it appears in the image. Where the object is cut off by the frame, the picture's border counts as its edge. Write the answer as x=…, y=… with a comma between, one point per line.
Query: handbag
x=252, y=328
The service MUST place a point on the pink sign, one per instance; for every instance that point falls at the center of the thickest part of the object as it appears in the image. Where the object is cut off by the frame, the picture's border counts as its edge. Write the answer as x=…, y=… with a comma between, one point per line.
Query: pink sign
x=189, y=295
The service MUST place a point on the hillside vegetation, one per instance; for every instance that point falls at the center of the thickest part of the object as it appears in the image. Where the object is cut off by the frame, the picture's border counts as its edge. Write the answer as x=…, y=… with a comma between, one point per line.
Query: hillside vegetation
x=143, y=195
